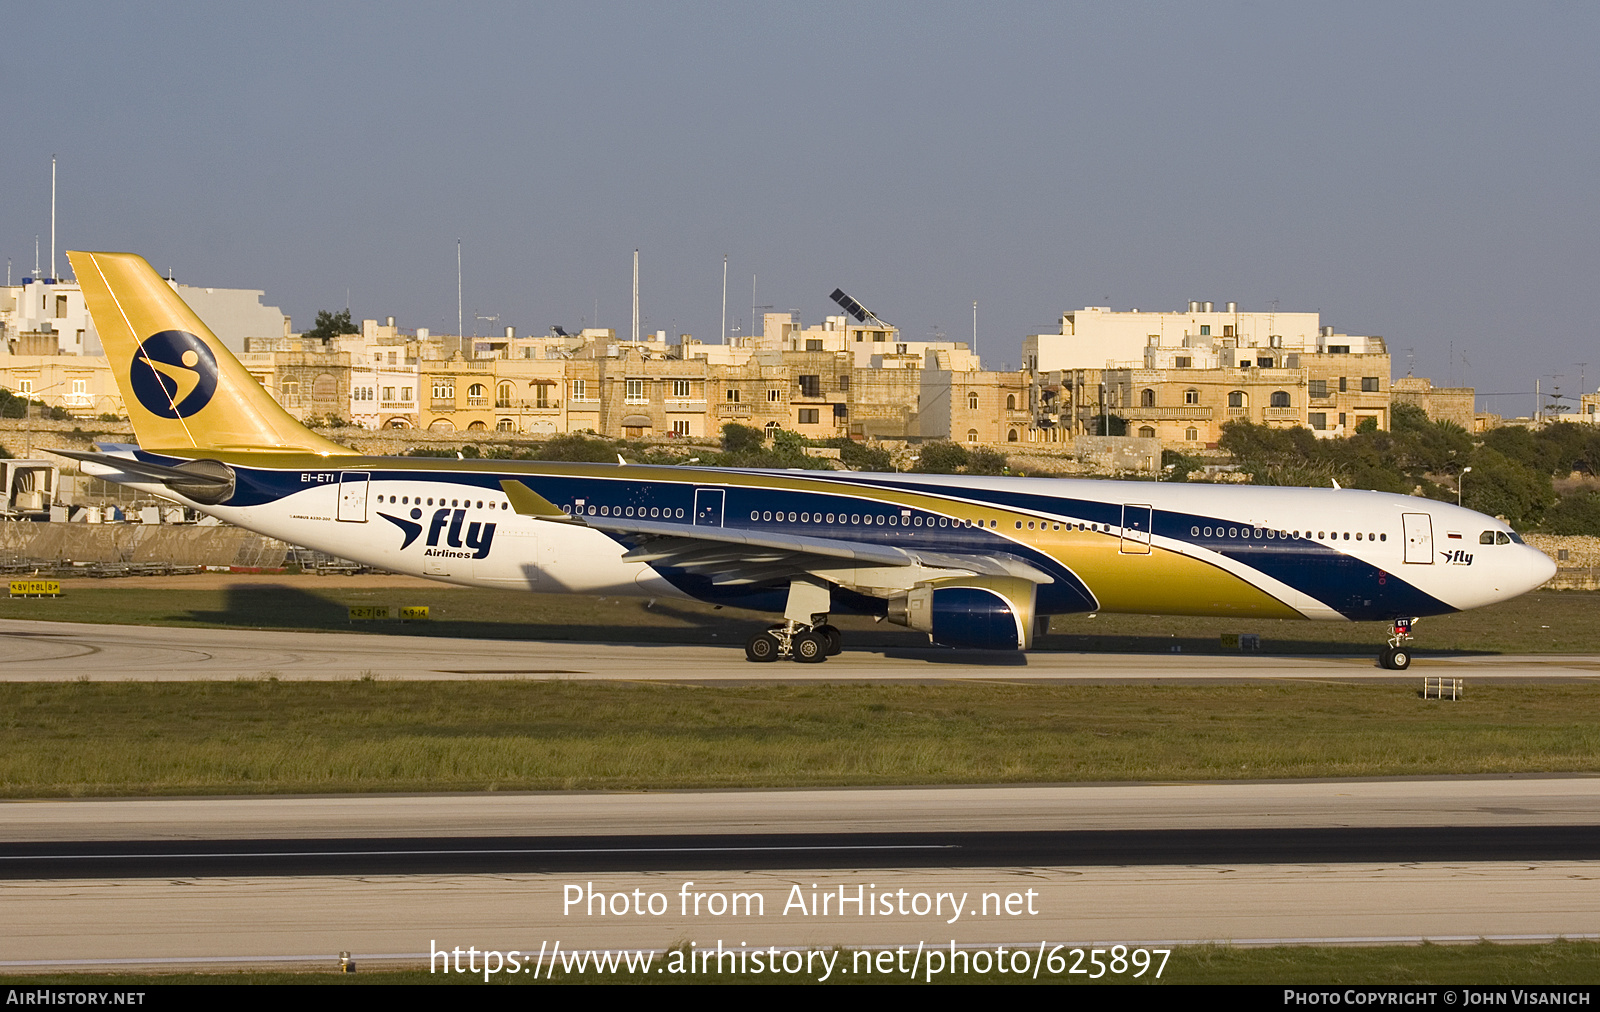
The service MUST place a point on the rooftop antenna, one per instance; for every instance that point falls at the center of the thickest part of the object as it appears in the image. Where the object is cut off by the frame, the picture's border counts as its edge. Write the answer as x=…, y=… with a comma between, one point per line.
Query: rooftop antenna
x=459, y=326
x=974, y=326
x=635, y=299
x=52, y=216
x=724, y=298
x=36, y=274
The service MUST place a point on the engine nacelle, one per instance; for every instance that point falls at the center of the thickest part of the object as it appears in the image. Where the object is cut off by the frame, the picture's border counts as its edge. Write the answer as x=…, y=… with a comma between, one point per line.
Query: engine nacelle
x=973, y=613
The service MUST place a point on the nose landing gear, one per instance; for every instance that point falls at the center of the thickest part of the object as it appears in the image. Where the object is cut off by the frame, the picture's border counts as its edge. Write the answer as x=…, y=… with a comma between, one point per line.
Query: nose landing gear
x=1397, y=655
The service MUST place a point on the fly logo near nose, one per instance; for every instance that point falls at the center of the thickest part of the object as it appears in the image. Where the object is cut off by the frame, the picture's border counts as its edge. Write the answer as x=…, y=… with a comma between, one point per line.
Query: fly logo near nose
x=173, y=374
x=1459, y=557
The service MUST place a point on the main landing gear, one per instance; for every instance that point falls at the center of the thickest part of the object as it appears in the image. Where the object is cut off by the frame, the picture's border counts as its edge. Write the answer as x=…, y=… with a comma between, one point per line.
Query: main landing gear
x=1397, y=655
x=805, y=634
x=806, y=644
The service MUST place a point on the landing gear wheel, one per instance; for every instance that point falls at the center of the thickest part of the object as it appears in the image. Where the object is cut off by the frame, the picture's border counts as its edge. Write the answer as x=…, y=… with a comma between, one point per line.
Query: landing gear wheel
x=1395, y=658
x=761, y=647
x=810, y=648
x=834, y=637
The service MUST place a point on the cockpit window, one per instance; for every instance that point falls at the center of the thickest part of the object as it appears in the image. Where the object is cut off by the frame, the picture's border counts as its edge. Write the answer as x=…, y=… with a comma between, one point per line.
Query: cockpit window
x=1502, y=538
x=1486, y=538
x=1516, y=539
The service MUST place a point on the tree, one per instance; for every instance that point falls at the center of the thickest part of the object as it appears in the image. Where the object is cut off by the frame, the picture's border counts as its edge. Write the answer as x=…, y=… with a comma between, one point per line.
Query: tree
x=738, y=439
x=861, y=457
x=1578, y=513
x=940, y=457
x=331, y=325
x=790, y=446
x=574, y=446
x=1503, y=487
x=982, y=460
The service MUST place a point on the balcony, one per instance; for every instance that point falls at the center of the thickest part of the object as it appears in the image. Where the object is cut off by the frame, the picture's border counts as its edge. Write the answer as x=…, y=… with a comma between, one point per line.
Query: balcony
x=1183, y=413
x=549, y=404
x=685, y=404
x=733, y=411
x=1283, y=414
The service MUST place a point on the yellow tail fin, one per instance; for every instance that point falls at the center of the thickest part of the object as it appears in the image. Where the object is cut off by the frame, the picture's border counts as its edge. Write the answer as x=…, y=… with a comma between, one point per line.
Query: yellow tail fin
x=182, y=387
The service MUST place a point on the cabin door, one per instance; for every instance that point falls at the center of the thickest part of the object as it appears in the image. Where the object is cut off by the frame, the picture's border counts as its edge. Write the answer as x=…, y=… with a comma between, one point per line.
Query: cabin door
x=1136, y=530
x=353, y=496
x=708, y=506
x=1419, y=537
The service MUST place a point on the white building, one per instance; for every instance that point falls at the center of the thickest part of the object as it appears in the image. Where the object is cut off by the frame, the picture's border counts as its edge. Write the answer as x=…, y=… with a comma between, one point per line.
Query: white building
x=1097, y=337
x=872, y=345
x=47, y=316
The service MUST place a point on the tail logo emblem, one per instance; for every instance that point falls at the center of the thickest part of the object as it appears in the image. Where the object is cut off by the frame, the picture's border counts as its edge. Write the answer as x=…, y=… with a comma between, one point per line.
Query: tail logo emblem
x=173, y=374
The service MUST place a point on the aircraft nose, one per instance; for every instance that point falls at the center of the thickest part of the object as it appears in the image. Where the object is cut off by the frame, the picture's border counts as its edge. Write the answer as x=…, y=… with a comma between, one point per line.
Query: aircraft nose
x=1535, y=571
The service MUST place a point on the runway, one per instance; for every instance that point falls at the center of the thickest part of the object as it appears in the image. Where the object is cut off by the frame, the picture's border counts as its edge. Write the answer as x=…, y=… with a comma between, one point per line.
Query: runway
x=126, y=882
x=297, y=880
x=172, y=922
x=1269, y=805
x=817, y=851
x=69, y=651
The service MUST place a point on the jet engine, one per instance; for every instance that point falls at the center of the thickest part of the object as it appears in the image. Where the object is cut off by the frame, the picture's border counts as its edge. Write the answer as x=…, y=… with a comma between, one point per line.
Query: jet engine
x=970, y=612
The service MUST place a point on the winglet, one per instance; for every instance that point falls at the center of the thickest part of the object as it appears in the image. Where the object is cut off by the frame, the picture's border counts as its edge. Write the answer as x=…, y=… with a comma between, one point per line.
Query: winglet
x=531, y=504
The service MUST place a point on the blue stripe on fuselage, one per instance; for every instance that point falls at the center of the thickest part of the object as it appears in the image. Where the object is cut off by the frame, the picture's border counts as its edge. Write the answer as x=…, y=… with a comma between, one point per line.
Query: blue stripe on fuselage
x=1351, y=586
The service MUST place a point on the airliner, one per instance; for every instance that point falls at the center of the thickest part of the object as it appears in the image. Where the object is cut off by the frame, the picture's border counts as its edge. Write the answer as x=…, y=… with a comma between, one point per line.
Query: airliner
x=973, y=562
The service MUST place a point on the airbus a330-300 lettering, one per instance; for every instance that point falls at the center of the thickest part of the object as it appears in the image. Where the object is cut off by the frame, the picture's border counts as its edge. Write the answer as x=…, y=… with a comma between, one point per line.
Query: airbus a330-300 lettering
x=975, y=562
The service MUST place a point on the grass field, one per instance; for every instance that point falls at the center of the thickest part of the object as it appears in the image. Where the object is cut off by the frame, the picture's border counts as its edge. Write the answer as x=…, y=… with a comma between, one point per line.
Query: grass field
x=1482, y=964
x=1535, y=623
x=266, y=736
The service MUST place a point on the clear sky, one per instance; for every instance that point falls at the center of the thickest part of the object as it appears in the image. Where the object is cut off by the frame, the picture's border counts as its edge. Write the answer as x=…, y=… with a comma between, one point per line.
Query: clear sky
x=1424, y=171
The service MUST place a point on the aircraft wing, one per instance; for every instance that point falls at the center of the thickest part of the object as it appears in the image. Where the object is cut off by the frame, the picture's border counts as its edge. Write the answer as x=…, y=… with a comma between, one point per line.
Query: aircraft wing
x=732, y=556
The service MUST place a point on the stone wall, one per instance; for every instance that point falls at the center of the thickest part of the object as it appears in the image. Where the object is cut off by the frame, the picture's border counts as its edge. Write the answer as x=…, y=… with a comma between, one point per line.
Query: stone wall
x=1580, y=570
x=22, y=542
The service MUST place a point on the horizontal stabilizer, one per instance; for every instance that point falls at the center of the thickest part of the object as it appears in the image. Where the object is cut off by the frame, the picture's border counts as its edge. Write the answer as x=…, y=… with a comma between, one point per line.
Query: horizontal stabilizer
x=208, y=482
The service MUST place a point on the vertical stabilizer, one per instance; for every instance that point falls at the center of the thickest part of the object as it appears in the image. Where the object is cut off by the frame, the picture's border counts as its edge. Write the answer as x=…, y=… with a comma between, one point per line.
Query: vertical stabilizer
x=183, y=389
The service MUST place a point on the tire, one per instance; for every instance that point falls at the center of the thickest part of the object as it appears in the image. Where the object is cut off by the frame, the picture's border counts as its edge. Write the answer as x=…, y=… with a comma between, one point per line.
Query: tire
x=834, y=637
x=1399, y=658
x=810, y=648
x=762, y=648
x=1383, y=658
